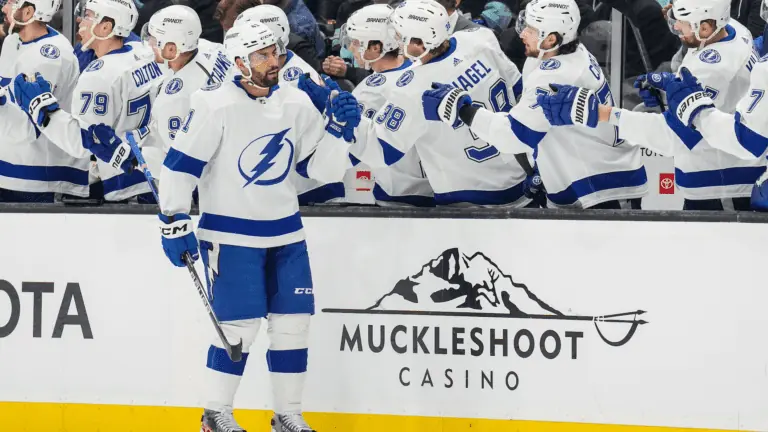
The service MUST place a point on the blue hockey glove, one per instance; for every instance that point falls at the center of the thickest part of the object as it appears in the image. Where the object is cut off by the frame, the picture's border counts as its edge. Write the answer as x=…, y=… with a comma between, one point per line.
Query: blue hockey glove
x=35, y=97
x=102, y=141
x=649, y=86
x=317, y=93
x=344, y=115
x=443, y=103
x=687, y=98
x=759, y=199
x=331, y=83
x=569, y=105
x=534, y=189
x=178, y=238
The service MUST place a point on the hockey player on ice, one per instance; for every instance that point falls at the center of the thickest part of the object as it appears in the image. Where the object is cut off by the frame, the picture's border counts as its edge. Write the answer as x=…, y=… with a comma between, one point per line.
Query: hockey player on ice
x=462, y=168
x=239, y=143
x=711, y=174
x=190, y=63
x=581, y=168
x=292, y=67
x=33, y=167
x=117, y=88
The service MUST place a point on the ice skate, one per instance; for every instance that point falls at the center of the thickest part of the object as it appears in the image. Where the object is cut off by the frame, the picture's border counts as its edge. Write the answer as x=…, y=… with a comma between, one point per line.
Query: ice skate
x=293, y=422
x=220, y=421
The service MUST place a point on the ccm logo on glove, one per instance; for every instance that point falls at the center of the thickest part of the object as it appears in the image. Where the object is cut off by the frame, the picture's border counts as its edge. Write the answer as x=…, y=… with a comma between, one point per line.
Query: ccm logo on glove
x=176, y=229
x=39, y=100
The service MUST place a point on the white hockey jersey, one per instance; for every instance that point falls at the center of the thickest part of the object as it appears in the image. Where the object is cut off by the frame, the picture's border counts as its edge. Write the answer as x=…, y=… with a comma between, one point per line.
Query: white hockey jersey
x=117, y=89
x=702, y=170
x=209, y=66
x=743, y=134
x=403, y=182
x=462, y=168
x=580, y=167
x=310, y=190
x=239, y=151
x=29, y=162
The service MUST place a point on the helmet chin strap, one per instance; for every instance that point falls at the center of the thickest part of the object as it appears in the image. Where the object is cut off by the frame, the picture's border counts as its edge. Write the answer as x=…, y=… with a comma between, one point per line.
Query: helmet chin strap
x=94, y=37
x=703, y=42
x=367, y=63
x=14, y=22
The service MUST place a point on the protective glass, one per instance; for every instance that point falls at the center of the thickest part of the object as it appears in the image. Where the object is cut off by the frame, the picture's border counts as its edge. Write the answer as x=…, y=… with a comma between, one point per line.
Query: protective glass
x=671, y=21
x=521, y=24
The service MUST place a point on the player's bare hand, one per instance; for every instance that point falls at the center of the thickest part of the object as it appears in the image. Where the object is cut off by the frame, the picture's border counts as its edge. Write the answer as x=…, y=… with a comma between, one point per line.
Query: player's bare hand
x=335, y=66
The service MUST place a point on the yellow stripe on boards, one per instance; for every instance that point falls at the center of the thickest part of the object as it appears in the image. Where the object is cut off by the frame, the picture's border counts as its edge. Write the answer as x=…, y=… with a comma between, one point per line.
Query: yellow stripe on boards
x=52, y=417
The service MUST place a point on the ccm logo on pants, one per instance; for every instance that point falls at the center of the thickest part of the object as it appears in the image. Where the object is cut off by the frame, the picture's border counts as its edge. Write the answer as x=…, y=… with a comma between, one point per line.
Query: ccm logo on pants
x=302, y=291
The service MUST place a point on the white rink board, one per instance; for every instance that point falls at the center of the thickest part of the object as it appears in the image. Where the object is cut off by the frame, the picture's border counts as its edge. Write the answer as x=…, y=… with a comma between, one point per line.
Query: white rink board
x=700, y=361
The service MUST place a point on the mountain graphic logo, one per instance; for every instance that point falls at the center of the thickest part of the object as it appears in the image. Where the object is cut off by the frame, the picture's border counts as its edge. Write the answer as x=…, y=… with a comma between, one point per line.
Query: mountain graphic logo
x=472, y=285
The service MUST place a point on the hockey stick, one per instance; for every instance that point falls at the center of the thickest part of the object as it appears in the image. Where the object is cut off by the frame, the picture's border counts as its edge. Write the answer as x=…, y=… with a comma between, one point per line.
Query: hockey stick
x=235, y=352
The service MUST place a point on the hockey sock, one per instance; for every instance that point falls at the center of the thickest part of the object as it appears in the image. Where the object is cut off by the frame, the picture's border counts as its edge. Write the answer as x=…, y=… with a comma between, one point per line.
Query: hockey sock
x=287, y=360
x=222, y=375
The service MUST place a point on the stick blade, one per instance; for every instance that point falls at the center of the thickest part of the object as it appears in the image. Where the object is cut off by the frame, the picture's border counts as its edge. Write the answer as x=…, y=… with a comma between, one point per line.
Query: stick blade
x=235, y=352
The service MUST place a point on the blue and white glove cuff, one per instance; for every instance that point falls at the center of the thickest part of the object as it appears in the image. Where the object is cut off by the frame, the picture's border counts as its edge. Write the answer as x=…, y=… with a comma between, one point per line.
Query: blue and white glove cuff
x=448, y=110
x=690, y=106
x=176, y=229
x=39, y=103
x=582, y=111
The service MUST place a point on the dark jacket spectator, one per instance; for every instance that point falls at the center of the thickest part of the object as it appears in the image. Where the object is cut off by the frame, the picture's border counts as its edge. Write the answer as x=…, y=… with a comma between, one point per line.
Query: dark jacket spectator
x=303, y=49
x=205, y=10
x=747, y=12
x=302, y=22
x=349, y=7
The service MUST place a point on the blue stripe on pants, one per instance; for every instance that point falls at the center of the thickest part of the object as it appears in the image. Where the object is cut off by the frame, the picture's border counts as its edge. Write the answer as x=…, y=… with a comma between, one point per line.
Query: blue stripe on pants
x=218, y=360
x=288, y=361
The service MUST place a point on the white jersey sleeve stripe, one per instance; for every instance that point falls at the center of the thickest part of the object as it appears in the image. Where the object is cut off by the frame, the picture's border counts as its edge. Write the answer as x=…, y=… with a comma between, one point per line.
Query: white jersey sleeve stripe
x=182, y=163
x=517, y=89
x=250, y=227
x=752, y=141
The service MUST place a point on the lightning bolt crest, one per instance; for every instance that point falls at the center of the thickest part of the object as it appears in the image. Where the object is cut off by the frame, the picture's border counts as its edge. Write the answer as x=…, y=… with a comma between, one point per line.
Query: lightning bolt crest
x=270, y=152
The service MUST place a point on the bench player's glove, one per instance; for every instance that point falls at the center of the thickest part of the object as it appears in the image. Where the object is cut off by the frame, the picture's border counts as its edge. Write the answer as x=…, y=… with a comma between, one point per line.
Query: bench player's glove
x=102, y=141
x=687, y=97
x=35, y=97
x=178, y=238
x=534, y=189
x=317, y=93
x=650, y=85
x=569, y=105
x=344, y=115
x=443, y=103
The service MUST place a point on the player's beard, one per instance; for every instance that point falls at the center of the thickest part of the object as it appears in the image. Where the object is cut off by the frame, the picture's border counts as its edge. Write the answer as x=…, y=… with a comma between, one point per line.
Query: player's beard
x=267, y=79
x=690, y=41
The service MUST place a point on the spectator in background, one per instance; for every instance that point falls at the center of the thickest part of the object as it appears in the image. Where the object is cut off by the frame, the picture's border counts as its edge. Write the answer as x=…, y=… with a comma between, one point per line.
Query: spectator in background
x=229, y=10
x=747, y=12
x=302, y=23
x=496, y=16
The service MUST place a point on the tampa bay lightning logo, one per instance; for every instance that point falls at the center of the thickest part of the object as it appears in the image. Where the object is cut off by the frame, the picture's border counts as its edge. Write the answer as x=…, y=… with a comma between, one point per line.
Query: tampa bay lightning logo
x=550, y=64
x=292, y=73
x=94, y=66
x=405, y=79
x=710, y=56
x=50, y=51
x=174, y=86
x=656, y=77
x=375, y=80
x=260, y=156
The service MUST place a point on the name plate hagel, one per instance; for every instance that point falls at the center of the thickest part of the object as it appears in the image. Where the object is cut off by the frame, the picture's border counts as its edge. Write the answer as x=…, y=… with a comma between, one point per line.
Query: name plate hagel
x=459, y=286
